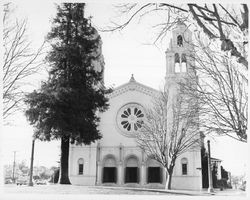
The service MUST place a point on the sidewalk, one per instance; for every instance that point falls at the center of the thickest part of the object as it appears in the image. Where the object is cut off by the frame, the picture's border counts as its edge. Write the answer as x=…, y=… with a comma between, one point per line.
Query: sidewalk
x=217, y=192
x=57, y=189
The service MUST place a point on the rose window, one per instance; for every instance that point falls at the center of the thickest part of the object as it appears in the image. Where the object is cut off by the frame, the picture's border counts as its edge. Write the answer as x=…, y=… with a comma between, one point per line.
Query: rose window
x=130, y=118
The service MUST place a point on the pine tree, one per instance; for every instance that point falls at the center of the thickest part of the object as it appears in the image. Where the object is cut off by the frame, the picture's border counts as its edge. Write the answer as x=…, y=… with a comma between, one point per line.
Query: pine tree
x=66, y=106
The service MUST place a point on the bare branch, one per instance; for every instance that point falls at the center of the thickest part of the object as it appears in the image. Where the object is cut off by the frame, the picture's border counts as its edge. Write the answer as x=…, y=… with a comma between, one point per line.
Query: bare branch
x=214, y=22
x=170, y=129
x=220, y=91
x=19, y=62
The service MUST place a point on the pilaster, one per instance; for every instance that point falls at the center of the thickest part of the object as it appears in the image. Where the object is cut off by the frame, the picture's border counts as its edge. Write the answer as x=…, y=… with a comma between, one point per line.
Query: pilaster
x=143, y=174
x=120, y=180
x=99, y=173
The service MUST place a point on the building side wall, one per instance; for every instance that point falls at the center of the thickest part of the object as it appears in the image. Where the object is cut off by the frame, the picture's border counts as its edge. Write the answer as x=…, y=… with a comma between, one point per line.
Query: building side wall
x=88, y=154
x=193, y=179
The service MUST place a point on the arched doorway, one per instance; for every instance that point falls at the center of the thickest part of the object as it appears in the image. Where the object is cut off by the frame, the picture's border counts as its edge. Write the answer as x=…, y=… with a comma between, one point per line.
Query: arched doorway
x=154, y=171
x=132, y=170
x=109, y=170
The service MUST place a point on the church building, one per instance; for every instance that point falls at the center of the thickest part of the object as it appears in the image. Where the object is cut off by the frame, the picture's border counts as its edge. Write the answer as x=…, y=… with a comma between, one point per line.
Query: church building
x=116, y=160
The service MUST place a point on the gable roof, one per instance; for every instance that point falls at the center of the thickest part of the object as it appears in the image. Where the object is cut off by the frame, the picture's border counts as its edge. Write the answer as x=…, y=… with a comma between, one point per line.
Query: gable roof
x=133, y=85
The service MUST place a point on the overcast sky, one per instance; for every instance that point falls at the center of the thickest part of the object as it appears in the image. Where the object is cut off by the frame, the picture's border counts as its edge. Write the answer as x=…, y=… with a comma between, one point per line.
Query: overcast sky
x=125, y=53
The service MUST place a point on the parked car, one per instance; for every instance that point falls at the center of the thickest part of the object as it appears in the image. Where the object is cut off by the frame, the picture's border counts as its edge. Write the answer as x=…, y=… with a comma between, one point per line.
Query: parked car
x=8, y=181
x=22, y=181
x=41, y=182
x=243, y=186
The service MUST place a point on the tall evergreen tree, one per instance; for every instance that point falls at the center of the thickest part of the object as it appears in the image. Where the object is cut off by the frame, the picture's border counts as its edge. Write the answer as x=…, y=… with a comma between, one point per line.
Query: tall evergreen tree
x=66, y=106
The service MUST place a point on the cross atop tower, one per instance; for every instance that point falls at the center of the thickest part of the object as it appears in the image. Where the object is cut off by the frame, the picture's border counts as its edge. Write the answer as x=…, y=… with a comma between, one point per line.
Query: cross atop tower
x=132, y=79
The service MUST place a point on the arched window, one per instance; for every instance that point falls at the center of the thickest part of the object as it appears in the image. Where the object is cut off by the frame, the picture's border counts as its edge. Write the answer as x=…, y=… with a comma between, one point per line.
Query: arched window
x=183, y=63
x=109, y=169
x=132, y=170
x=80, y=166
x=179, y=41
x=184, y=166
x=177, y=63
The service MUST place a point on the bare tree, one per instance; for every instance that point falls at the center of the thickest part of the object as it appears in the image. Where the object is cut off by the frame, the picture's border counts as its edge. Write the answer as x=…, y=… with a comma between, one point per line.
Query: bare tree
x=222, y=91
x=213, y=19
x=222, y=65
x=19, y=61
x=170, y=129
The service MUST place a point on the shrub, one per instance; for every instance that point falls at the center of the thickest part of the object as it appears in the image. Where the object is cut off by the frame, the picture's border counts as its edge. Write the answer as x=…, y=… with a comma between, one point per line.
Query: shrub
x=222, y=183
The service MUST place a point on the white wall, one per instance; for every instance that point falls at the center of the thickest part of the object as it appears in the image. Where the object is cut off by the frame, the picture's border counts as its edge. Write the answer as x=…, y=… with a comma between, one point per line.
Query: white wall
x=88, y=154
x=113, y=138
x=108, y=126
x=193, y=179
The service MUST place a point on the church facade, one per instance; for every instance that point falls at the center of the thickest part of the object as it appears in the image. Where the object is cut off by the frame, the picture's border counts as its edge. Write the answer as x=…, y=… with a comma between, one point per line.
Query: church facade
x=116, y=159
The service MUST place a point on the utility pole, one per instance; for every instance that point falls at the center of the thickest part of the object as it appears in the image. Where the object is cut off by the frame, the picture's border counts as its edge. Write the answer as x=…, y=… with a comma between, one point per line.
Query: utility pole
x=31, y=163
x=210, y=179
x=14, y=165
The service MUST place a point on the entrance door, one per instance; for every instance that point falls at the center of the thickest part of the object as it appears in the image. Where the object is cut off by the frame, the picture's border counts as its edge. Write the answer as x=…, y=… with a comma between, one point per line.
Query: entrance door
x=132, y=170
x=154, y=174
x=131, y=175
x=109, y=170
x=109, y=175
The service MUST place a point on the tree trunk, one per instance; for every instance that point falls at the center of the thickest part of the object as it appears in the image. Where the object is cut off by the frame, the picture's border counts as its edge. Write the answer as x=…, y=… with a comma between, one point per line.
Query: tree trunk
x=168, y=179
x=64, y=161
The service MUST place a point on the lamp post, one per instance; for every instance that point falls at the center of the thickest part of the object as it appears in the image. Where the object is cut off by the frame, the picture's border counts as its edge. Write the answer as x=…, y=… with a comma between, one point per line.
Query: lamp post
x=14, y=164
x=210, y=179
x=31, y=163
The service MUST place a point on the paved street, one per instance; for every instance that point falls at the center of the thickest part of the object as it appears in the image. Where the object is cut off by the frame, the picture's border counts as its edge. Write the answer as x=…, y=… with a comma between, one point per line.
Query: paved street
x=74, y=189
x=12, y=189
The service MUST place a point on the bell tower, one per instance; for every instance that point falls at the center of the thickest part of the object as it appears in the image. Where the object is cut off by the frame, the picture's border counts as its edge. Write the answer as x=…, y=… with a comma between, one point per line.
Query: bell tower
x=179, y=55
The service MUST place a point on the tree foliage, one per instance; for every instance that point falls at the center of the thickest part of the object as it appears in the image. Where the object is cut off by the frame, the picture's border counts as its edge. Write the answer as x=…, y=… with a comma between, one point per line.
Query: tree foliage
x=66, y=106
x=170, y=129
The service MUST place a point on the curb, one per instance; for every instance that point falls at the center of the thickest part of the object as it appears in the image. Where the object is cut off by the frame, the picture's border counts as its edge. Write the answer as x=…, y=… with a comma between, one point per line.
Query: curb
x=160, y=191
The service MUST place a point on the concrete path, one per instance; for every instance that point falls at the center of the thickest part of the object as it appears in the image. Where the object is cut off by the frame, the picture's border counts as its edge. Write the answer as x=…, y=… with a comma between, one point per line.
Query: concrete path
x=74, y=192
x=217, y=192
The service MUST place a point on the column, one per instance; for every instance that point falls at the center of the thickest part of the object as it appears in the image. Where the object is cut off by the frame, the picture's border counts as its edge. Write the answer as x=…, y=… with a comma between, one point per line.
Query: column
x=210, y=179
x=218, y=170
x=99, y=173
x=120, y=180
x=143, y=174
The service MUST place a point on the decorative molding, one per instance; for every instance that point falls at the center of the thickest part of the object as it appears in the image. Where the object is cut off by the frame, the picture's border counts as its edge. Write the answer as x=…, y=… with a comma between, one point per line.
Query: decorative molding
x=133, y=86
x=129, y=119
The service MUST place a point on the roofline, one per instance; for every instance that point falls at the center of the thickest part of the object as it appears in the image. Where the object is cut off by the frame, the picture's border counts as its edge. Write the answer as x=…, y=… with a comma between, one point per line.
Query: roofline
x=132, y=82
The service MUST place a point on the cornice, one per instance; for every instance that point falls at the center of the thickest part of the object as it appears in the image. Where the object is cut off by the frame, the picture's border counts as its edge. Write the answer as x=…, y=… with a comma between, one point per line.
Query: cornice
x=132, y=85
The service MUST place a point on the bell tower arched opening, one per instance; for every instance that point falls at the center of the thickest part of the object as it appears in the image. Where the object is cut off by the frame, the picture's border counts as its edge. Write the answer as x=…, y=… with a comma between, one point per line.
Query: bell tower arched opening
x=177, y=68
x=179, y=41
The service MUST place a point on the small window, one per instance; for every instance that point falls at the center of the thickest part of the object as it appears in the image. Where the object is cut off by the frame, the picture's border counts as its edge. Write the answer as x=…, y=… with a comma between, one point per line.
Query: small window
x=184, y=169
x=184, y=165
x=179, y=41
x=183, y=63
x=177, y=63
x=176, y=58
x=80, y=166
